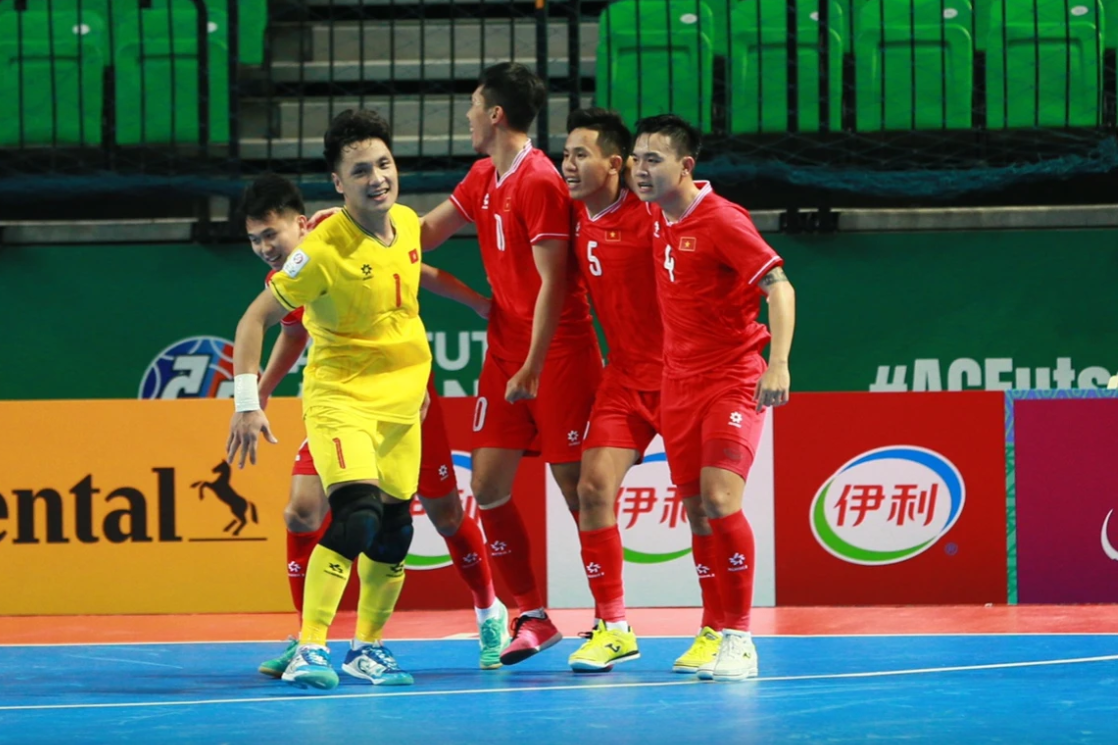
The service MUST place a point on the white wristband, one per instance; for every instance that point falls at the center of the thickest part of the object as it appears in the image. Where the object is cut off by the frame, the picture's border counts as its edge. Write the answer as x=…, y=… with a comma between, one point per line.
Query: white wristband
x=246, y=397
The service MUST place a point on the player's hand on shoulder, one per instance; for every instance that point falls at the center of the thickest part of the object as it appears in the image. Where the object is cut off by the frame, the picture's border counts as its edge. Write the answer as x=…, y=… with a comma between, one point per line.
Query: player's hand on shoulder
x=523, y=385
x=774, y=387
x=318, y=217
x=483, y=307
x=244, y=432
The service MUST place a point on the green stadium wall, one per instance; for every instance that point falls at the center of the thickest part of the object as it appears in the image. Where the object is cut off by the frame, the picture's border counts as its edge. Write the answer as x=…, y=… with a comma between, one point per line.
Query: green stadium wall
x=876, y=311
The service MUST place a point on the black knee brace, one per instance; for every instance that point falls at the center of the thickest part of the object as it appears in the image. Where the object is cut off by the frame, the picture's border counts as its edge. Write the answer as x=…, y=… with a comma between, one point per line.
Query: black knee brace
x=392, y=543
x=355, y=518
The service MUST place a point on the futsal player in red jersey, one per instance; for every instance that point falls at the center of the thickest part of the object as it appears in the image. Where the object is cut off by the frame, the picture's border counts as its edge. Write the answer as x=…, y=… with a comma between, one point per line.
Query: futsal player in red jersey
x=543, y=363
x=275, y=224
x=713, y=270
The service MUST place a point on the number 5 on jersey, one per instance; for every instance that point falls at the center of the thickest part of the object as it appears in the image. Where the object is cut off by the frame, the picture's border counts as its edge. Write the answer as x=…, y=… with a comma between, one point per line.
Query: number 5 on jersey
x=595, y=264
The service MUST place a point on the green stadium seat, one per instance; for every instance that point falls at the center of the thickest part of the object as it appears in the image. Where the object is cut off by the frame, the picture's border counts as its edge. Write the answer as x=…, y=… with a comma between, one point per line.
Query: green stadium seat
x=914, y=65
x=758, y=67
x=157, y=95
x=1044, y=65
x=252, y=18
x=51, y=77
x=657, y=56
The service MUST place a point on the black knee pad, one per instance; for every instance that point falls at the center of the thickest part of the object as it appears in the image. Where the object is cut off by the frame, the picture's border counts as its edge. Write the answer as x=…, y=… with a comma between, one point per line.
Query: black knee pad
x=396, y=531
x=355, y=519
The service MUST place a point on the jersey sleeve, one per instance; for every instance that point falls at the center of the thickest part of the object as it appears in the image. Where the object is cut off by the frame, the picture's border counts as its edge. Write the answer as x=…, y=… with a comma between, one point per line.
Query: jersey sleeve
x=295, y=317
x=468, y=193
x=741, y=247
x=304, y=278
x=545, y=208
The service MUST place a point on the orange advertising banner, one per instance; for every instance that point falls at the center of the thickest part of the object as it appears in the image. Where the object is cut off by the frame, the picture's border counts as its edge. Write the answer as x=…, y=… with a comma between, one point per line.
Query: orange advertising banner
x=128, y=507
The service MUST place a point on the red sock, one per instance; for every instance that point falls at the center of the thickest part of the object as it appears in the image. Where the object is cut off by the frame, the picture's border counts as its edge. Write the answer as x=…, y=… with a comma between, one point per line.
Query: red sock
x=703, y=552
x=299, y=548
x=574, y=515
x=603, y=560
x=508, y=550
x=734, y=540
x=467, y=551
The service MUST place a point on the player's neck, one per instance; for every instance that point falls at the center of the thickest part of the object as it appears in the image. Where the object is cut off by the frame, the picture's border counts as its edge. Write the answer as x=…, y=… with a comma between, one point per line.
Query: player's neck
x=600, y=200
x=376, y=224
x=506, y=146
x=676, y=203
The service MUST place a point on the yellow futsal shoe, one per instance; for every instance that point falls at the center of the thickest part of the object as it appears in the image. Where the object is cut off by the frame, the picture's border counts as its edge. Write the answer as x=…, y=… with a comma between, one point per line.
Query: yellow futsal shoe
x=603, y=649
x=703, y=652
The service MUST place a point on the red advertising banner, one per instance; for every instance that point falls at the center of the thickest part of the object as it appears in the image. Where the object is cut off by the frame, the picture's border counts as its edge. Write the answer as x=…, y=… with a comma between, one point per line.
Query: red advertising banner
x=886, y=498
x=1067, y=494
x=432, y=581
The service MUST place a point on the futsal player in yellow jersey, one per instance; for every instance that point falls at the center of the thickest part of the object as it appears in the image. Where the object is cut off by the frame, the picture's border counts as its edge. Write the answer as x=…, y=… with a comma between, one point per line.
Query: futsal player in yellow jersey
x=357, y=276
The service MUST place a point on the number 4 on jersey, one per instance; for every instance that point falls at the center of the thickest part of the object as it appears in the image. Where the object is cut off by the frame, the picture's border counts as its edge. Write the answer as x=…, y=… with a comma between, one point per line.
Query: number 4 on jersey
x=669, y=262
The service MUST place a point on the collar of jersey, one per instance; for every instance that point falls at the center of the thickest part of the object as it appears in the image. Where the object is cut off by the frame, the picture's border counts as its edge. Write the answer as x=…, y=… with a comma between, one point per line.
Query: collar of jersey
x=359, y=226
x=515, y=162
x=612, y=208
x=705, y=189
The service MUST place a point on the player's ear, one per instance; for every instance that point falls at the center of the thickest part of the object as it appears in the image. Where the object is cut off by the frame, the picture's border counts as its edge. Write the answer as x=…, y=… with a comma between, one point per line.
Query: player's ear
x=301, y=221
x=337, y=183
x=496, y=115
x=616, y=164
x=688, y=165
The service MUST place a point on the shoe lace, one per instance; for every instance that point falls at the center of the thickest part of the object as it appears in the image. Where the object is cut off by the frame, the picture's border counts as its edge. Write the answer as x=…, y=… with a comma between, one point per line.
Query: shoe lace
x=520, y=621
x=315, y=657
x=734, y=645
x=491, y=632
x=384, y=658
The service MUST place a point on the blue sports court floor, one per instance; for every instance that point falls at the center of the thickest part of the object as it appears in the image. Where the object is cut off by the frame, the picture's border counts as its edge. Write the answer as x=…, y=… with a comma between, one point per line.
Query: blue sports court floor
x=996, y=688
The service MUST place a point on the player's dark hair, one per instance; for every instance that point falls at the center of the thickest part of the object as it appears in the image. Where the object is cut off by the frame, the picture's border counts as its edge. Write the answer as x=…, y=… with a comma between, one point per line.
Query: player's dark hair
x=271, y=193
x=685, y=138
x=350, y=127
x=614, y=138
x=517, y=90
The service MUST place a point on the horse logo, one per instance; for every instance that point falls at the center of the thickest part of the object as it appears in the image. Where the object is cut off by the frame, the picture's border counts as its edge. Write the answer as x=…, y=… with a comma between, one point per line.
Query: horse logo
x=223, y=489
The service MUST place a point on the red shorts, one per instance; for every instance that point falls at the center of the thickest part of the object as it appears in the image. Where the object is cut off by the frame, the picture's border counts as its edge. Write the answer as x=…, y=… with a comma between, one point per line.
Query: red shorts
x=622, y=417
x=711, y=421
x=436, y=469
x=552, y=424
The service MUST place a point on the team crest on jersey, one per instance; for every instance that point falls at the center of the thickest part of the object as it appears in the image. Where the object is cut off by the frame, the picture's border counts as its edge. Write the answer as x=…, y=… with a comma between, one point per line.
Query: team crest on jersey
x=613, y=235
x=414, y=256
x=687, y=244
x=508, y=204
x=485, y=202
x=295, y=263
x=196, y=367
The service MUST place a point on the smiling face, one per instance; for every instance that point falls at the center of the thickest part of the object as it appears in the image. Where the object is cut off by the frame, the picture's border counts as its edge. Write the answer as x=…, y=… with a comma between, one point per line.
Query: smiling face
x=587, y=170
x=274, y=237
x=366, y=176
x=658, y=170
x=483, y=122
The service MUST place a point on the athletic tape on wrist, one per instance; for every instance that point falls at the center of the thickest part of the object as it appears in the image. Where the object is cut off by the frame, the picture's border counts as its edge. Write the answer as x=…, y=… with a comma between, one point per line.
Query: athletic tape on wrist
x=246, y=396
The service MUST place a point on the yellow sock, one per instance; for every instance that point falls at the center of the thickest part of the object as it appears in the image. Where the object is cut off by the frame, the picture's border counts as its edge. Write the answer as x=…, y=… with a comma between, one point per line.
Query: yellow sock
x=327, y=575
x=380, y=589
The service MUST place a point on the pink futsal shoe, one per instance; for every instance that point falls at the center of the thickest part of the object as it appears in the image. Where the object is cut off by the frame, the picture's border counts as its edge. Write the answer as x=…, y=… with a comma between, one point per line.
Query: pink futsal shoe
x=530, y=635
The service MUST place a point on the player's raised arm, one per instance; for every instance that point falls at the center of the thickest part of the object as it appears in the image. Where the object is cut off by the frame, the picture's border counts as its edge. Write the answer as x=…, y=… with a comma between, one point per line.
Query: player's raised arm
x=445, y=284
x=550, y=256
x=441, y=223
x=285, y=353
x=249, y=420
x=773, y=388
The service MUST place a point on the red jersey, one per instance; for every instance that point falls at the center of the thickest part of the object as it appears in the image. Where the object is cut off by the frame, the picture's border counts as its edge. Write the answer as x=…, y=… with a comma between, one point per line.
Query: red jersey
x=295, y=317
x=708, y=265
x=527, y=205
x=614, y=251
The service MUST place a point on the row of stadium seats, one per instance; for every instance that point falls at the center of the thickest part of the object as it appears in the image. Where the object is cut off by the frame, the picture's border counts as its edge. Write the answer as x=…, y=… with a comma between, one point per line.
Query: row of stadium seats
x=57, y=58
x=909, y=64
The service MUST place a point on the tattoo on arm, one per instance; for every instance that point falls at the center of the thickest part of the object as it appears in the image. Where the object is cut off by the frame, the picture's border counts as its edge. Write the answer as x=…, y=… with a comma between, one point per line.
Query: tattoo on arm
x=770, y=279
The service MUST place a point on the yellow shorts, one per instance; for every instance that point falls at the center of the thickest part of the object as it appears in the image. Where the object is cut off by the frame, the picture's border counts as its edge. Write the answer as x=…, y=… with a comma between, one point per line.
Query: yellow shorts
x=348, y=447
